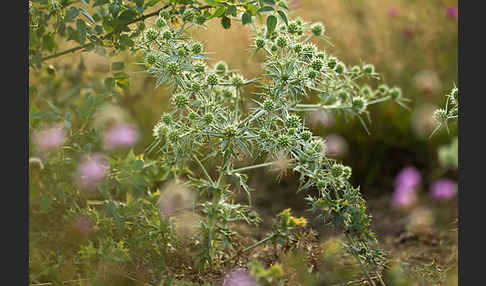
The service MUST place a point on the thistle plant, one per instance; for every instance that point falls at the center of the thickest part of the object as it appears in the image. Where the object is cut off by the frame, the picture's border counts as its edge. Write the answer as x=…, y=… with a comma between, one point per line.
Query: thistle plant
x=209, y=125
x=449, y=112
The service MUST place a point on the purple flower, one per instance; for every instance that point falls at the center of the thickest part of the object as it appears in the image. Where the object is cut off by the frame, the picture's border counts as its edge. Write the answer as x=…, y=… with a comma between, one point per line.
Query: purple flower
x=403, y=197
x=49, y=138
x=91, y=171
x=452, y=12
x=406, y=184
x=408, y=177
x=239, y=277
x=120, y=135
x=443, y=189
x=393, y=12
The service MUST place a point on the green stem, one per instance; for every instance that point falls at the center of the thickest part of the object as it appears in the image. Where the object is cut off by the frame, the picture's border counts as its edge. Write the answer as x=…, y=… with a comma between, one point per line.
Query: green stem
x=320, y=106
x=356, y=255
x=254, y=166
x=204, y=169
x=259, y=243
x=379, y=100
x=155, y=13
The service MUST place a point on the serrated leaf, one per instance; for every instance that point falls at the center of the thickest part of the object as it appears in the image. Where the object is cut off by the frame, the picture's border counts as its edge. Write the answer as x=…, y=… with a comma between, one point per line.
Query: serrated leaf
x=271, y=24
x=283, y=16
x=219, y=12
x=246, y=18
x=231, y=10
x=81, y=25
x=126, y=16
x=265, y=9
x=226, y=22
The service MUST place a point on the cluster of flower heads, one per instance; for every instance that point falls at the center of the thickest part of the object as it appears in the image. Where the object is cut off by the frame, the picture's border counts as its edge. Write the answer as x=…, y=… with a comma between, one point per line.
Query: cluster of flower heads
x=207, y=117
x=407, y=183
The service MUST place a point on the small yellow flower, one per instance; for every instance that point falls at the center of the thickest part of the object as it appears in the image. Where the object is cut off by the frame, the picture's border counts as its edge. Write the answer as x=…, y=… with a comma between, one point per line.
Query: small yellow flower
x=298, y=221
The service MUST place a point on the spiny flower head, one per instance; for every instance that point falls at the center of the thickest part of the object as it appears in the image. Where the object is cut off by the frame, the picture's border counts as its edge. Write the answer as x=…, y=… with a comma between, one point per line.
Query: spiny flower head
x=282, y=42
x=208, y=118
x=188, y=15
x=167, y=35
x=383, y=89
x=317, y=29
x=160, y=22
x=180, y=100
x=151, y=34
x=283, y=141
x=197, y=48
x=306, y=135
x=293, y=27
x=260, y=43
x=293, y=121
x=369, y=69
x=340, y=68
x=331, y=62
x=440, y=116
x=173, y=67
x=230, y=131
x=221, y=67
x=268, y=105
x=395, y=93
x=173, y=135
x=212, y=79
x=164, y=14
x=199, y=66
x=297, y=47
x=359, y=104
x=237, y=80
x=317, y=64
x=151, y=58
